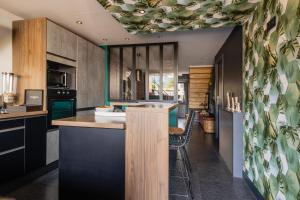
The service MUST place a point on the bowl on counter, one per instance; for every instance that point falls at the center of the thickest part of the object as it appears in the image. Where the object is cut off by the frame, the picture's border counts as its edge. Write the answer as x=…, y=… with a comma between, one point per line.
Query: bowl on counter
x=104, y=109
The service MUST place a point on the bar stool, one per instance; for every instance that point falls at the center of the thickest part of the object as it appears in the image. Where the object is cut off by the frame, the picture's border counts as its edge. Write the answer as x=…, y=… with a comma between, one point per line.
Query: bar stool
x=178, y=141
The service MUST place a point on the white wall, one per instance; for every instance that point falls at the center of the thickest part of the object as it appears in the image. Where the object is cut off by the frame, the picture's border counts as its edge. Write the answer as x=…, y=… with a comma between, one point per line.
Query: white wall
x=6, y=19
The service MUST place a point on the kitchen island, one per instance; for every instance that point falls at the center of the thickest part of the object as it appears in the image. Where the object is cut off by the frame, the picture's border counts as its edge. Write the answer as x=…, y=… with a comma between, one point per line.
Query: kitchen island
x=116, y=157
x=92, y=157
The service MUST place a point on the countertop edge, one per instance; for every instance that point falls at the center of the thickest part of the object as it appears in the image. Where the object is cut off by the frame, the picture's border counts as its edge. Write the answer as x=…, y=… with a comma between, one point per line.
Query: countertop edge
x=88, y=124
x=15, y=115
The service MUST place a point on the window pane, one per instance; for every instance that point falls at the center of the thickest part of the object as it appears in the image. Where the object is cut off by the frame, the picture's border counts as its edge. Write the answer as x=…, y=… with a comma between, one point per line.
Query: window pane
x=127, y=73
x=114, y=84
x=168, y=72
x=154, y=72
x=140, y=73
x=181, y=93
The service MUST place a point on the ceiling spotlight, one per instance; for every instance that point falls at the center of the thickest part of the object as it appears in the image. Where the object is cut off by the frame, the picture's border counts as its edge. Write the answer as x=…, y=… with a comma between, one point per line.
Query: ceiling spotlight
x=79, y=22
x=126, y=39
x=142, y=11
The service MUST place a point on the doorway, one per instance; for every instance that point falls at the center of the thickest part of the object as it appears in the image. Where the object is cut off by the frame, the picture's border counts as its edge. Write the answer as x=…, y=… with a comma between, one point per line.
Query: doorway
x=219, y=92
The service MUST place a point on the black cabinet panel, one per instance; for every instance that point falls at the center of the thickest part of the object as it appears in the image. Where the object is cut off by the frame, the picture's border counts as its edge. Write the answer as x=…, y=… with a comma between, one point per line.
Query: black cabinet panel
x=11, y=166
x=92, y=163
x=11, y=139
x=35, y=140
x=11, y=124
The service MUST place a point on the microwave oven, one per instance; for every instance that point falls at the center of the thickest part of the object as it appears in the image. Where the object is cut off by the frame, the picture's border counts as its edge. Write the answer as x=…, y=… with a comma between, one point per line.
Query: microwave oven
x=58, y=79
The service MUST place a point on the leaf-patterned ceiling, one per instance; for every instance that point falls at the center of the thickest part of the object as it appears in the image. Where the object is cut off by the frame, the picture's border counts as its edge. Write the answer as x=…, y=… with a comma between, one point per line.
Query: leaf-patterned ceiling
x=150, y=16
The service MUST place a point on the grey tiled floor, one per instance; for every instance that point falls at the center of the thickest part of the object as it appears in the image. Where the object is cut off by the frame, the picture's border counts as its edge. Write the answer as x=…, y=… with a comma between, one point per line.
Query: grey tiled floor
x=211, y=180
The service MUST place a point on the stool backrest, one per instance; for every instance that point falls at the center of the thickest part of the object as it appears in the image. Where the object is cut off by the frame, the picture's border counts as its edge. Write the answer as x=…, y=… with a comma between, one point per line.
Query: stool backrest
x=190, y=126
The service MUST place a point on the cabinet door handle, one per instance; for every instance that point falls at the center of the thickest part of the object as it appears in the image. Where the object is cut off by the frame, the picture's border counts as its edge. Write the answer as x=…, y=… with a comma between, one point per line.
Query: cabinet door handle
x=11, y=150
x=12, y=129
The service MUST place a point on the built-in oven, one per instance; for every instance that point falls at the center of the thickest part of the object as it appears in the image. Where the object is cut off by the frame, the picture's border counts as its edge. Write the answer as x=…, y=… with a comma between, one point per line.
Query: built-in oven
x=61, y=104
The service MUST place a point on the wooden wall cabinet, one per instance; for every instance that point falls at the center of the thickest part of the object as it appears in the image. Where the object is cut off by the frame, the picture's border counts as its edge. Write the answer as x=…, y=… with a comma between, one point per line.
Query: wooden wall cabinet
x=60, y=41
x=29, y=56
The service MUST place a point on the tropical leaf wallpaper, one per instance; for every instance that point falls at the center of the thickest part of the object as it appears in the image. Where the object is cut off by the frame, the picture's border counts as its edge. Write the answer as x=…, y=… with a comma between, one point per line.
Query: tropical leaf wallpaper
x=271, y=75
x=272, y=99
x=150, y=16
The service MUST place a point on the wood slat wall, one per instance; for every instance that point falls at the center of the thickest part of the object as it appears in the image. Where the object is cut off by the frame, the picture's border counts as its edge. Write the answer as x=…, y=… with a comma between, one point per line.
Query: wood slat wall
x=198, y=85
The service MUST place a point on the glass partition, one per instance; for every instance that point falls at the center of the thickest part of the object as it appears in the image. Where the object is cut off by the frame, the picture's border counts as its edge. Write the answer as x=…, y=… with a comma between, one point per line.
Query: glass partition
x=145, y=72
x=168, y=72
x=128, y=70
x=154, y=73
x=115, y=72
x=140, y=72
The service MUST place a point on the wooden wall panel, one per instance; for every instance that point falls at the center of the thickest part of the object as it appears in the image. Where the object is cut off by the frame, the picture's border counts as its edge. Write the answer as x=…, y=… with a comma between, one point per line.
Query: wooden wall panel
x=198, y=76
x=29, y=56
x=147, y=154
x=199, y=80
x=199, y=85
x=200, y=70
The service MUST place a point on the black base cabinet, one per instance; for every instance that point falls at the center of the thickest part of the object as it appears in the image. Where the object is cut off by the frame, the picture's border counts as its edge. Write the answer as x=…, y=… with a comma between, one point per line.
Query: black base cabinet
x=11, y=166
x=35, y=142
x=22, y=147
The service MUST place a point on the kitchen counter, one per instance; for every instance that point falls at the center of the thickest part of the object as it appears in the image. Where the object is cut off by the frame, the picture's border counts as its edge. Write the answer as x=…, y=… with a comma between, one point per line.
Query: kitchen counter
x=21, y=114
x=105, y=157
x=89, y=120
x=91, y=157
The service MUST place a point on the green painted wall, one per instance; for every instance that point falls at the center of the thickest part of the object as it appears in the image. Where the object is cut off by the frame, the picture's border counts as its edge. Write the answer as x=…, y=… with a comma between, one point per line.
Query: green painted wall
x=173, y=118
x=271, y=99
x=106, y=87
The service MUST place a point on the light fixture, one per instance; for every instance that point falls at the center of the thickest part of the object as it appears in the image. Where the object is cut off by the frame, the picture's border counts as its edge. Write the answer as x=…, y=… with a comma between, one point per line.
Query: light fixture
x=79, y=22
x=126, y=38
x=142, y=11
x=152, y=29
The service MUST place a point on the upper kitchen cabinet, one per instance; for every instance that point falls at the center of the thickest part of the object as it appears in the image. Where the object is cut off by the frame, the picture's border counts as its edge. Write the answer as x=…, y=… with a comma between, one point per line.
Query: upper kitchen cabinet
x=82, y=73
x=61, y=42
x=90, y=74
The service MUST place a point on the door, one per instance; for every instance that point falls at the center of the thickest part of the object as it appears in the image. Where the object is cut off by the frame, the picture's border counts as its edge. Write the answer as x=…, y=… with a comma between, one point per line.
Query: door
x=219, y=91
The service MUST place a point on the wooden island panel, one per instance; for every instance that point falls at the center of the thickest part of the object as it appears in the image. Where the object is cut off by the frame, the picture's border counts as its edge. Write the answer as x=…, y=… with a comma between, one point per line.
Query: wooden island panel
x=147, y=153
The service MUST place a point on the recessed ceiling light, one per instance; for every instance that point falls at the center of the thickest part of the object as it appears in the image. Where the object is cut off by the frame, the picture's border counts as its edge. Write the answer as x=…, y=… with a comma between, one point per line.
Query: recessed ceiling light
x=142, y=11
x=126, y=38
x=79, y=22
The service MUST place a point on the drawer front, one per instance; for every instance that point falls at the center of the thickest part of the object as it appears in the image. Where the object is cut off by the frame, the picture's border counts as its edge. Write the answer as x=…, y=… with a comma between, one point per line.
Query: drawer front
x=11, y=139
x=11, y=166
x=11, y=124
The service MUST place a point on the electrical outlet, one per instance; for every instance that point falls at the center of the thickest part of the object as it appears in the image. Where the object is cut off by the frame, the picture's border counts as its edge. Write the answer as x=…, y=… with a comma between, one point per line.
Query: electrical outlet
x=271, y=24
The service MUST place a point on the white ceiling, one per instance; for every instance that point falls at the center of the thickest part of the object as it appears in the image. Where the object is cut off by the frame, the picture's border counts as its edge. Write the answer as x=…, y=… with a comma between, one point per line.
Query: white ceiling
x=195, y=47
